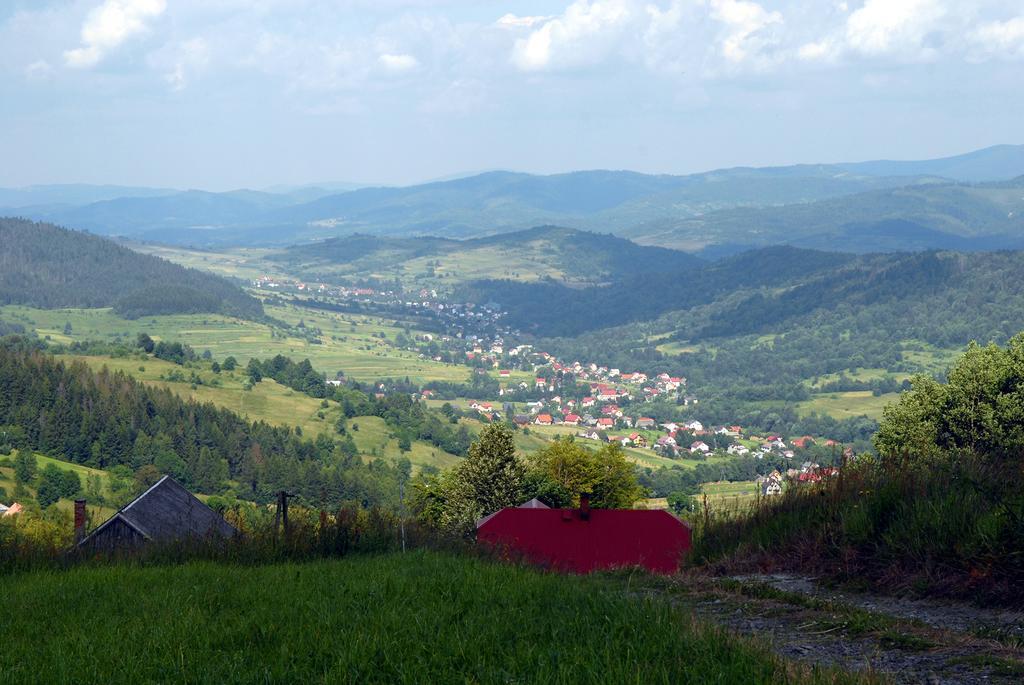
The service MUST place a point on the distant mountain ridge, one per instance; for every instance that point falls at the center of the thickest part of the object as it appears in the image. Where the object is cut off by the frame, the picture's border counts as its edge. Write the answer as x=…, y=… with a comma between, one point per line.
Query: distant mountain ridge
x=996, y=163
x=929, y=216
x=688, y=212
x=42, y=265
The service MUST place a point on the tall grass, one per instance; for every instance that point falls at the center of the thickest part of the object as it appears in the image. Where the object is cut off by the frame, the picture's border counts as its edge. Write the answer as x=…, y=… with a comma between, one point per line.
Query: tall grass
x=951, y=526
x=32, y=544
x=421, y=617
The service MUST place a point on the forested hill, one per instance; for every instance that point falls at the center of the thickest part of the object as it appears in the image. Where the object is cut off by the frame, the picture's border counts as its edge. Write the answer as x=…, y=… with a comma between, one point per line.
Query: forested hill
x=945, y=298
x=643, y=295
x=565, y=254
x=107, y=420
x=43, y=265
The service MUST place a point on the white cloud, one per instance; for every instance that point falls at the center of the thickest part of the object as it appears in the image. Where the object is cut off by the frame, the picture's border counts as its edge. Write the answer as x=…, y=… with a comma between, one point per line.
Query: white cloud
x=702, y=37
x=398, y=62
x=511, y=21
x=901, y=30
x=108, y=26
x=886, y=26
x=998, y=39
x=582, y=34
x=748, y=28
x=820, y=50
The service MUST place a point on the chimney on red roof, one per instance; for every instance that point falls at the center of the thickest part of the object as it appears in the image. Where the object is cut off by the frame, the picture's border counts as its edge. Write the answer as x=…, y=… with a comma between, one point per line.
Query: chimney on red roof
x=79, y=520
x=585, y=506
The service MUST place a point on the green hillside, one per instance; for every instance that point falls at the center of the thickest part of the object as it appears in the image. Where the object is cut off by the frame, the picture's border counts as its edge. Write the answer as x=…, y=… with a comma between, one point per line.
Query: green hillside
x=931, y=296
x=544, y=252
x=46, y=266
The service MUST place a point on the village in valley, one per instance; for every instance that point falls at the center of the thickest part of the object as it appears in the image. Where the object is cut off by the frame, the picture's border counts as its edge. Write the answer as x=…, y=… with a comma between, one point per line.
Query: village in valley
x=612, y=412
x=535, y=390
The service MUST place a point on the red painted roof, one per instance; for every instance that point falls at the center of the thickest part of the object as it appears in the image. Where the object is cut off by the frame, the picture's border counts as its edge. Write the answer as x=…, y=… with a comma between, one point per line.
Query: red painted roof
x=564, y=539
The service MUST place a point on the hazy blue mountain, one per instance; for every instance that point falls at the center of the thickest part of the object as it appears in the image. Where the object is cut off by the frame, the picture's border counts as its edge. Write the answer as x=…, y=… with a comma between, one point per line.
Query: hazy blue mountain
x=930, y=216
x=193, y=209
x=995, y=163
x=729, y=207
x=72, y=194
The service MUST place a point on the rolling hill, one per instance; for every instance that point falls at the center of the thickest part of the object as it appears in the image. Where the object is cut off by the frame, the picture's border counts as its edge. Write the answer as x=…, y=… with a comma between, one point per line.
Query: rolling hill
x=46, y=266
x=930, y=216
x=680, y=211
x=561, y=254
x=944, y=298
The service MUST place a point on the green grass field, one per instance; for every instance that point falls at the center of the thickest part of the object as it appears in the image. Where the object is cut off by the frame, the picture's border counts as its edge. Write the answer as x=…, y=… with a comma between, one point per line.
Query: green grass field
x=863, y=375
x=348, y=341
x=373, y=439
x=842, y=405
x=533, y=261
x=415, y=618
x=237, y=262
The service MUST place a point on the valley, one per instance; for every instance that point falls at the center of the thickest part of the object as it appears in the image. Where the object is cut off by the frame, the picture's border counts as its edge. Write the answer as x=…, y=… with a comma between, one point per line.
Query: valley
x=365, y=373
x=569, y=342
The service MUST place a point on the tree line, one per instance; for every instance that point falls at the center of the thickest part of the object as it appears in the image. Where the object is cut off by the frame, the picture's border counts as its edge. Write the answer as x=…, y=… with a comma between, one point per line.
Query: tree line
x=107, y=420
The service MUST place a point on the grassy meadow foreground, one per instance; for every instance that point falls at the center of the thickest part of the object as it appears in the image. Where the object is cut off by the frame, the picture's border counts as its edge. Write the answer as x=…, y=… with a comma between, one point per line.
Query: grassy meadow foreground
x=419, y=617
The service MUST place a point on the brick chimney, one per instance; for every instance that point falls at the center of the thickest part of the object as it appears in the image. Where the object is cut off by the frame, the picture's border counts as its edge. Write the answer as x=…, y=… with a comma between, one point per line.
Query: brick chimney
x=79, y=520
x=585, y=505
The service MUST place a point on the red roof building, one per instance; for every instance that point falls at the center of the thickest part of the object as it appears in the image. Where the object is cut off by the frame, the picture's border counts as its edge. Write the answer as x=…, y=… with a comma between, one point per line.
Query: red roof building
x=584, y=540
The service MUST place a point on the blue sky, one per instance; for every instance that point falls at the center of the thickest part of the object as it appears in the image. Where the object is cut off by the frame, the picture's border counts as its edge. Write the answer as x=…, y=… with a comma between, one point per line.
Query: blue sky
x=221, y=94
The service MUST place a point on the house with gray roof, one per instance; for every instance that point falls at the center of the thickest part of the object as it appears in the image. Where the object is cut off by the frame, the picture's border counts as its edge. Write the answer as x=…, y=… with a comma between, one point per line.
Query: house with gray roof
x=166, y=512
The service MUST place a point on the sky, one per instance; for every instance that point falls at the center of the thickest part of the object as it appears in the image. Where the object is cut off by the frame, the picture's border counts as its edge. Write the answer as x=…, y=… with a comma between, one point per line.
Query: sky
x=223, y=94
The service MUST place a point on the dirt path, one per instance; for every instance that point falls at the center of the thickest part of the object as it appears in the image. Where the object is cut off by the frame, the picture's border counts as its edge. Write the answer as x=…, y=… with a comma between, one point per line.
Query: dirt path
x=900, y=641
x=949, y=615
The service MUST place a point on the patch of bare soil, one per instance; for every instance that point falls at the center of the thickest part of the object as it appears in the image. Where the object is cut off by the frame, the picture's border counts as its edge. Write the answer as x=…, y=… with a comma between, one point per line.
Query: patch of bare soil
x=949, y=615
x=895, y=640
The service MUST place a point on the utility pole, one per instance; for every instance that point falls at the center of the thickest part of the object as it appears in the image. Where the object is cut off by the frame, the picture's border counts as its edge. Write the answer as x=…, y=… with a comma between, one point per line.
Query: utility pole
x=401, y=517
x=281, y=514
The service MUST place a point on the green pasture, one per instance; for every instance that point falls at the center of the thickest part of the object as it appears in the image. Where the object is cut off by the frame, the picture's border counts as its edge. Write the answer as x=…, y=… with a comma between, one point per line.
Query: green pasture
x=842, y=405
x=389, y=618
x=348, y=342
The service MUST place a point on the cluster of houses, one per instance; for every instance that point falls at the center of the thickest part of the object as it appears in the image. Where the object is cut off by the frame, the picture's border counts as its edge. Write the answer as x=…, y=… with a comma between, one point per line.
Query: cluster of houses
x=808, y=473
x=272, y=283
x=9, y=510
x=675, y=439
